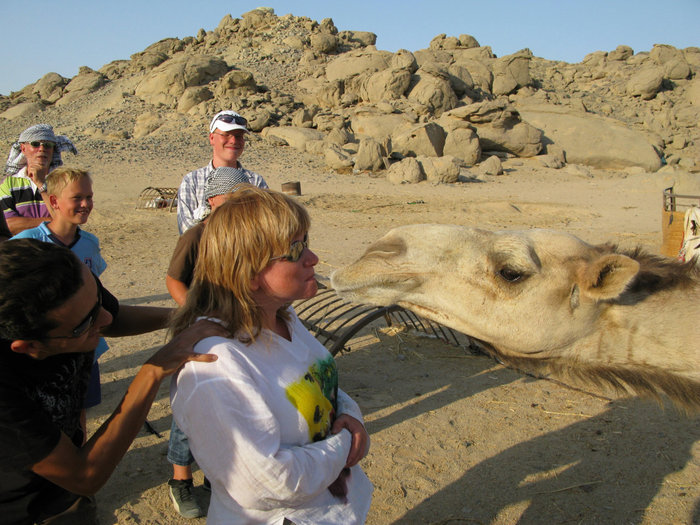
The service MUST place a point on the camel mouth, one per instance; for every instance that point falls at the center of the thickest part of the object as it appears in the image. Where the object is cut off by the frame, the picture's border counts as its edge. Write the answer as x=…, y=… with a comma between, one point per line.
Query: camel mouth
x=426, y=312
x=383, y=283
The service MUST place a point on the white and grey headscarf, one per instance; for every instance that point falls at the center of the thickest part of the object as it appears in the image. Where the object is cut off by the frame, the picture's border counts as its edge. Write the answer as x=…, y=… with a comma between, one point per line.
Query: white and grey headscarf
x=219, y=182
x=16, y=160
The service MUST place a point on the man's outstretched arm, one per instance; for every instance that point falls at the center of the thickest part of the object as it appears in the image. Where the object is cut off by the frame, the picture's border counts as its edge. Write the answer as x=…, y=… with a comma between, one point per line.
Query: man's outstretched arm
x=85, y=470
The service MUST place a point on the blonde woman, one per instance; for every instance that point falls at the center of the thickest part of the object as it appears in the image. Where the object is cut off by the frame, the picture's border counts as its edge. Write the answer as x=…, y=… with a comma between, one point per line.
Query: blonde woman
x=267, y=423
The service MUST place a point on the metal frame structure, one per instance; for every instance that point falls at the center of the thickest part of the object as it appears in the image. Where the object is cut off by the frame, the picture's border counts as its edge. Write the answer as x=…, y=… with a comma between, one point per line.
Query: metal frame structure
x=153, y=198
x=334, y=321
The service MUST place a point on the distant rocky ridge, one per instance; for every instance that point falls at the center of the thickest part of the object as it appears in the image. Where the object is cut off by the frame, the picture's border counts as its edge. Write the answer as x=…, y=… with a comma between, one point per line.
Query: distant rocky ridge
x=419, y=115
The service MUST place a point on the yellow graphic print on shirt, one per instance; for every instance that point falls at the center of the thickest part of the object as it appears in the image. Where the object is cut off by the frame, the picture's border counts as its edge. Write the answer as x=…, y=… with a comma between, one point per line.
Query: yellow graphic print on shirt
x=314, y=395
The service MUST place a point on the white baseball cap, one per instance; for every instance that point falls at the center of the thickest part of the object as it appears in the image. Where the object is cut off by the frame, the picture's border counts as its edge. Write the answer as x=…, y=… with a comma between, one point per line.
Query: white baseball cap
x=228, y=121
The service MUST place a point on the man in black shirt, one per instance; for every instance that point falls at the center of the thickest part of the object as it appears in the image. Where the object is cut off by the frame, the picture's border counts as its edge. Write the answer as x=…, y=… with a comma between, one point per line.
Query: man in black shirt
x=52, y=313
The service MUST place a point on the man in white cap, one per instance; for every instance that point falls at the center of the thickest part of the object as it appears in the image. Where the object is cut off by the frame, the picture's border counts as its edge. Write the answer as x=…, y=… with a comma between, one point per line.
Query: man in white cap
x=227, y=137
x=36, y=153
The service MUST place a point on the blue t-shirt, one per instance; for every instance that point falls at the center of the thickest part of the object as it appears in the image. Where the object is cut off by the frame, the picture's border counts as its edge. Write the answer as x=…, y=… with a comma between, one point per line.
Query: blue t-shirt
x=86, y=245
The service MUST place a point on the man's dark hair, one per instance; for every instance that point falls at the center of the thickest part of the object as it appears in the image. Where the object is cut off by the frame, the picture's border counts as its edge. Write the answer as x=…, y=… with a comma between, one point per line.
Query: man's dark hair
x=35, y=278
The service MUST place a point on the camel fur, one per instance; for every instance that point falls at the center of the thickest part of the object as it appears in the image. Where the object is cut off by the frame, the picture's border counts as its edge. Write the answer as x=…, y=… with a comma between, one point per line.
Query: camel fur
x=546, y=302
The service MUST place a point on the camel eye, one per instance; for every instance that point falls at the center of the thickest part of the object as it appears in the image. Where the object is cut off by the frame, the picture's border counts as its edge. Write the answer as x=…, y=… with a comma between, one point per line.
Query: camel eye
x=510, y=275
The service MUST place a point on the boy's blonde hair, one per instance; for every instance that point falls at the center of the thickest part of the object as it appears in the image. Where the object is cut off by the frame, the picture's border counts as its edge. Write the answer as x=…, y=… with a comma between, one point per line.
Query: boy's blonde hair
x=239, y=239
x=61, y=177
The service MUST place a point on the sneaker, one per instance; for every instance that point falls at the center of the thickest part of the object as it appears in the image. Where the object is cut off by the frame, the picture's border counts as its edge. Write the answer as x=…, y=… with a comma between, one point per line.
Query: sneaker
x=183, y=500
x=207, y=484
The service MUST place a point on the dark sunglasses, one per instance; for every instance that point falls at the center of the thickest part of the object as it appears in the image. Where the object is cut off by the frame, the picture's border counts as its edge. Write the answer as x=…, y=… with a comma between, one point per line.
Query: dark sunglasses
x=295, y=250
x=46, y=144
x=85, y=324
x=236, y=119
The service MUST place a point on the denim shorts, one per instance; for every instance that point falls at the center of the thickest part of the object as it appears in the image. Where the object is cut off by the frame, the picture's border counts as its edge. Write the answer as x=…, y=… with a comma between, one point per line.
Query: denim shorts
x=179, y=447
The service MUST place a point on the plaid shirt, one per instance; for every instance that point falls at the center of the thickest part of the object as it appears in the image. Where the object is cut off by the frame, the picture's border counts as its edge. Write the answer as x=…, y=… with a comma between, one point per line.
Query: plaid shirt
x=190, y=196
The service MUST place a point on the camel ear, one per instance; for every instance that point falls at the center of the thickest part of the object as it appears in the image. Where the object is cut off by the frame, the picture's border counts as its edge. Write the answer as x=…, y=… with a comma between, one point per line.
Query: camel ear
x=608, y=276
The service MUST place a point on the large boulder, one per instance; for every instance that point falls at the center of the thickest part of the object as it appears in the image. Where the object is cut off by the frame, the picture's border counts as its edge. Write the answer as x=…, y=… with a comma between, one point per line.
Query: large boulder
x=369, y=155
x=481, y=75
x=420, y=140
x=463, y=143
x=325, y=94
x=460, y=79
x=404, y=59
x=500, y=128
x=295, y=137
x=50, y=87
x=192, y=96
x=324, y=42
x=356, y=62
x=592, y=140
x=620, y=54
x=491, y=166
x=389, y=84
x=166, y=83
x=362, y=38
x=511, y=72
x=380, y=126
x=430, y=86
x=86, y=81
x=337, y=158
x=645, y=83
x=672, y=60
x=440, y=170
x=407, y=171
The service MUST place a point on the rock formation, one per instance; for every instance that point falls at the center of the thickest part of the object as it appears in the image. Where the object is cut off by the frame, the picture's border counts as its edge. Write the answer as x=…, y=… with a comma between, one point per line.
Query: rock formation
x=365, y=109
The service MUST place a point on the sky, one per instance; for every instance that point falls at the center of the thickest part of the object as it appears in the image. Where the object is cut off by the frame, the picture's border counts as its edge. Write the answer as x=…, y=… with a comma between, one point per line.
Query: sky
x=61, y=36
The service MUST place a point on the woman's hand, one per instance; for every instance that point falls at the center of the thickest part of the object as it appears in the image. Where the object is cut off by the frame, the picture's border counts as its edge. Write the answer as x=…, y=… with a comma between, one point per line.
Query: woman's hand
x=360, y=437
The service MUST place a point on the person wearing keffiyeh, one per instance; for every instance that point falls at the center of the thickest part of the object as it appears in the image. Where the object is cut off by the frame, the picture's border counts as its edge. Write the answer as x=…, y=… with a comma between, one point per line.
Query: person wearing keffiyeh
x=36, y=152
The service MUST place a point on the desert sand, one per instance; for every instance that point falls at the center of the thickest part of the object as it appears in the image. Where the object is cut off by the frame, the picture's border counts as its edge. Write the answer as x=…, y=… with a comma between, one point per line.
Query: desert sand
x=456, y=438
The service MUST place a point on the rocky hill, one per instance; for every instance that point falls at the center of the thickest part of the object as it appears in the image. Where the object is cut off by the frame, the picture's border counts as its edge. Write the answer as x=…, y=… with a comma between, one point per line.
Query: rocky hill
x=429, y=113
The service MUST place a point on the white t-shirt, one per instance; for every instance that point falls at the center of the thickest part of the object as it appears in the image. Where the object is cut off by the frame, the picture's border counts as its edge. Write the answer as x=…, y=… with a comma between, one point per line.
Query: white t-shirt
x=258, y=424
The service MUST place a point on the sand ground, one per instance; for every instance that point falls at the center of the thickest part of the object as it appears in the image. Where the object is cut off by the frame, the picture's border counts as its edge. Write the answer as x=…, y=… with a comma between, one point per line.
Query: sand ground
x=456, y=438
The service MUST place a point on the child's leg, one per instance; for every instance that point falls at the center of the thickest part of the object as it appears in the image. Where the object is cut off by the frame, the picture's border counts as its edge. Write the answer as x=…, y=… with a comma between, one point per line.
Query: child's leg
x=179, y=453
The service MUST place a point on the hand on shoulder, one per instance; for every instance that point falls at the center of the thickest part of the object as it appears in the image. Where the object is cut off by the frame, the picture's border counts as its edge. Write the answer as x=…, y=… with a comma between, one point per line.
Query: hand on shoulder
x=178, y=351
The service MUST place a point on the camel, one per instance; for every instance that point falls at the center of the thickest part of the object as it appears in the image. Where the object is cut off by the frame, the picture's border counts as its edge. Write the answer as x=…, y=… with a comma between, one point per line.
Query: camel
x=546, y=302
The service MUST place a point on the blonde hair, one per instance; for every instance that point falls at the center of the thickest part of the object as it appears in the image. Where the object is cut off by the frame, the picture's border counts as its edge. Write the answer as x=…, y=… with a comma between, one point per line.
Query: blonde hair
x=58, y=179
x=239, y=239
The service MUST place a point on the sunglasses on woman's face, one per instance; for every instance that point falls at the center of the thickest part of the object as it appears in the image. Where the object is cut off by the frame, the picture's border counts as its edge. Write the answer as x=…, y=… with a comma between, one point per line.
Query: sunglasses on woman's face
x=236, y=119
x=295, y=250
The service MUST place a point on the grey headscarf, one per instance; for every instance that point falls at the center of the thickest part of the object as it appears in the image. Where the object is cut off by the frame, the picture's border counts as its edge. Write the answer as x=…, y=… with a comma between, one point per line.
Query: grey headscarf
x=220, y=181
x=16, y=160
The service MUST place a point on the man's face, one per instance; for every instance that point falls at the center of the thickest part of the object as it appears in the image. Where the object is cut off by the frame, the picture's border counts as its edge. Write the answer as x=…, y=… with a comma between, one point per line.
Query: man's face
x=227, y=147
x=82, y=310
x=38, y=153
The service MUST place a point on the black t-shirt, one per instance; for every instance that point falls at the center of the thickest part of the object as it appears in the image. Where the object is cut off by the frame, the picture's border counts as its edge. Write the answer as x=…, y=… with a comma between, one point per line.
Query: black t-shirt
x=39, y=399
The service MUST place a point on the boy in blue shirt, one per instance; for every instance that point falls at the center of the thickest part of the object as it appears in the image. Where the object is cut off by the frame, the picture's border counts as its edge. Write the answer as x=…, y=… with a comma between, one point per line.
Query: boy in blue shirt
x=70, y=196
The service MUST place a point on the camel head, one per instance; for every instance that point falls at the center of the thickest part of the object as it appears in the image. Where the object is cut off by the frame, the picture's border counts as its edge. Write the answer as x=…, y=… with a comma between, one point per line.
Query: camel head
x=527, y=292
x=546, y=302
